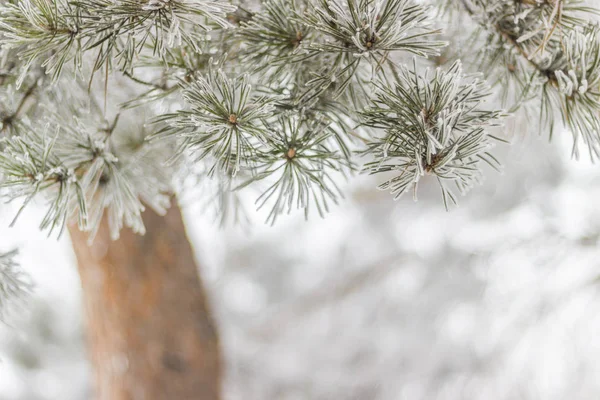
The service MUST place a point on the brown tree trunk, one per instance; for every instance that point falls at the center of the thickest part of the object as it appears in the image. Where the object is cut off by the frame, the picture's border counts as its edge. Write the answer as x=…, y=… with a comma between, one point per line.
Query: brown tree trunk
x=150, y=332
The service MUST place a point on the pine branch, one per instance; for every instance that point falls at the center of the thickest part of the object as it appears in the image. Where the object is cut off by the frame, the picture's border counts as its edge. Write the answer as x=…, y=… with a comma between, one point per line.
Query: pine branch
x=225, y=122
x=84, y=168
x=299, y=163
x=117, y=31
x=9, y=119
x=15, y=285
x=431, y=126
x=561, y=50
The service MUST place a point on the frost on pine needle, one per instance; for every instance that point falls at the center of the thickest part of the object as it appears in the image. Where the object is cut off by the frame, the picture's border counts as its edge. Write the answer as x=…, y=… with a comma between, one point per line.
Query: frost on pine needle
x=575, y=86
x=224, y=122
x=274, y=39
x=372, y=27
x=544, y=55
x=356, y=37
x=431, y=125
x=61, y=31
x=84, y=172
x=13, y=105
x=298, y=164
x=30, y=165
x=120, y=189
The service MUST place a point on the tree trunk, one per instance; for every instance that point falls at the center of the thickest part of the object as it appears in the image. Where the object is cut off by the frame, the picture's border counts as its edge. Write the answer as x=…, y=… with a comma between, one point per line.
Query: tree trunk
x=150, y=332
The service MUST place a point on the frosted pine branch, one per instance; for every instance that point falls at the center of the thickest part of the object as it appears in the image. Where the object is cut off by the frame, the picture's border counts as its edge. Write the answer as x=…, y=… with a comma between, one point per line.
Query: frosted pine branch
x=544, y=52
x=15, y=285
x=300, y=89
x=431, y=125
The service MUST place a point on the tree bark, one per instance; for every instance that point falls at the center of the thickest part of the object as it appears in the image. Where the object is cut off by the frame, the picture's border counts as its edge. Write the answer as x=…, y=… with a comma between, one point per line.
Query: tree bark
x=150, y=332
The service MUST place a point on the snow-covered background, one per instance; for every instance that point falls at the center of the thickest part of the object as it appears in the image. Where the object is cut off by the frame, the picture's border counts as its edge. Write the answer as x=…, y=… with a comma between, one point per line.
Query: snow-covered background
x=381, y=300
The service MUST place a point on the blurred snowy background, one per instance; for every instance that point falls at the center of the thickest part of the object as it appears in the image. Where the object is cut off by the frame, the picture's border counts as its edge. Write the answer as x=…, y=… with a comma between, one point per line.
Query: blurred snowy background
x=382, y=300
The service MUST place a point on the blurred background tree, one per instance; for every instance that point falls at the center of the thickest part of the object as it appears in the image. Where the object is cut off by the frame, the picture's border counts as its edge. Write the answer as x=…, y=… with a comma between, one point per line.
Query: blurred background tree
x=112, y=108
